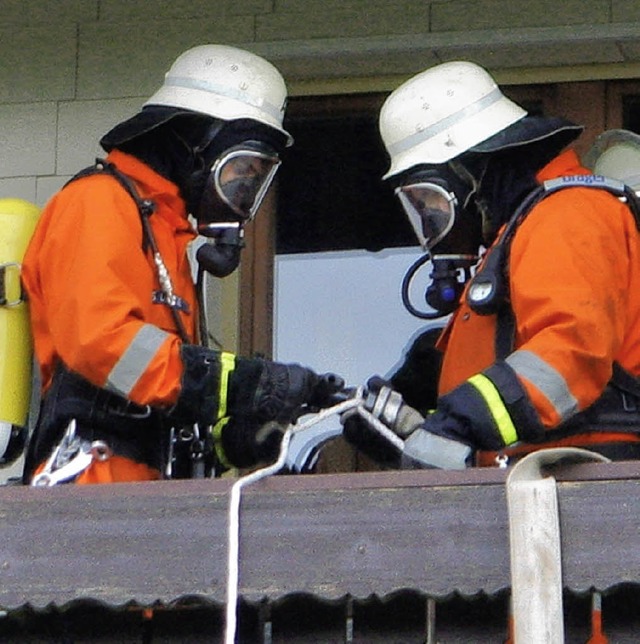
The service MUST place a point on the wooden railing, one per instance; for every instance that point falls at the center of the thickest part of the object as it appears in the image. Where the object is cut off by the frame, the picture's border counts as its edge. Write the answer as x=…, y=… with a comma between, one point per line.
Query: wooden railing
x=327, y=536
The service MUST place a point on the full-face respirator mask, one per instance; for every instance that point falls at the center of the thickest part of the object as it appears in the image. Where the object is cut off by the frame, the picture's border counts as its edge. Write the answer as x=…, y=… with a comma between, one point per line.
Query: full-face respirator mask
x=233, y=191
x=435, y=200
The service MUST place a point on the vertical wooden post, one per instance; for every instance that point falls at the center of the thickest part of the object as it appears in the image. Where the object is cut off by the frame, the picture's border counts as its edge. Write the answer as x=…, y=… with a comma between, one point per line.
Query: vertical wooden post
x=256, y=282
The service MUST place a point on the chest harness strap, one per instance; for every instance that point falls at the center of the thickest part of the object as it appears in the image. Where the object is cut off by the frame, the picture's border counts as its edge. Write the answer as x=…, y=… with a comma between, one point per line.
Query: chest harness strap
x=146, y=207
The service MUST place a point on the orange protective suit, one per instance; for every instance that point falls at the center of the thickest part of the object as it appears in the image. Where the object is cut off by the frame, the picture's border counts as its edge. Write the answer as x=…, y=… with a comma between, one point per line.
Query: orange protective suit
x=574, y=285
x=90, y=284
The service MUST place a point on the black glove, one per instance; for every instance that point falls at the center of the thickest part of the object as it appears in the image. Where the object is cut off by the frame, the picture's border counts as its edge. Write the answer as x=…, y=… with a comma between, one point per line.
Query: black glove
x=244, y=442
x=417, y=377
x=264, y=391
x=252, y=437
x=218, y=385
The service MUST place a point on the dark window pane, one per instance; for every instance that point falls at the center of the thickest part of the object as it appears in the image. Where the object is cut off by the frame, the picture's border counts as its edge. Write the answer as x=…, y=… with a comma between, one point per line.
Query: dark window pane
x=631, y=113
x=331, y=196
x=534, y=108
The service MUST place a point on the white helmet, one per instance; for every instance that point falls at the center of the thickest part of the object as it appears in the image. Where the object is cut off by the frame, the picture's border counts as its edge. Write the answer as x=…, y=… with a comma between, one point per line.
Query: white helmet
x=616, y=154
x=441, y=113
x=227, y=83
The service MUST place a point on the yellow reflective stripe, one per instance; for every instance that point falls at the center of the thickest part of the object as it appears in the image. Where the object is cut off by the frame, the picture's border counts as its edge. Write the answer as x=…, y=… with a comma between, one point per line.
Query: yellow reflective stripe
x=216, y=432
x=498, y=411
x=227, y=365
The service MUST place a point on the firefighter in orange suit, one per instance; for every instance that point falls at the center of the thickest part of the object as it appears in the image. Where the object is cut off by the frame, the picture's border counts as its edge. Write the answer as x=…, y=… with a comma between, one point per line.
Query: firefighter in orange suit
x=543, y=345
x=114, y=309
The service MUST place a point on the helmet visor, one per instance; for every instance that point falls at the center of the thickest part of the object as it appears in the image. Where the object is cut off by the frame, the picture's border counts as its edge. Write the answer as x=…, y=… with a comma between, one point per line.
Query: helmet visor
x=431, y=209
x=242, y=176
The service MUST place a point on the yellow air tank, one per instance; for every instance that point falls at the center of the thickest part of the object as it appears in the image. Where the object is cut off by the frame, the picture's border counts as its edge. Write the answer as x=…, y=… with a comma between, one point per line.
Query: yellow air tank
x=17, y=222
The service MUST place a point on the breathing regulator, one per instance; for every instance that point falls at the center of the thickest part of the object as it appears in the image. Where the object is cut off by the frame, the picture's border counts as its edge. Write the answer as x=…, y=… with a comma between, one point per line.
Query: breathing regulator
x=488, y=288
x=448, y=277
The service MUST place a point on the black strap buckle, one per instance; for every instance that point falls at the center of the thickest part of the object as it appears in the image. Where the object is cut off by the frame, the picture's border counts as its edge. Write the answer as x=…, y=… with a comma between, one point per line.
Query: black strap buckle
x=173, y=301
x=629, y=402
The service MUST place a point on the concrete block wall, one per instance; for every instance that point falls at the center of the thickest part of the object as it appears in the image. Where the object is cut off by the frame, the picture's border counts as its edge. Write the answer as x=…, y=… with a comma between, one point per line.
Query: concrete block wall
x=70, y=69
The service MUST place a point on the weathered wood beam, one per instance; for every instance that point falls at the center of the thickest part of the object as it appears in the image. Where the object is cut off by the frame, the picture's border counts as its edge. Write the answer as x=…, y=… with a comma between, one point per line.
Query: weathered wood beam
x=328, y=535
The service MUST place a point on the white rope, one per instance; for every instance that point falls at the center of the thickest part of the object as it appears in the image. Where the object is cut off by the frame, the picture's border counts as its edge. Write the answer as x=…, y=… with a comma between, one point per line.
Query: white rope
x=233, y=552
x=233, y=548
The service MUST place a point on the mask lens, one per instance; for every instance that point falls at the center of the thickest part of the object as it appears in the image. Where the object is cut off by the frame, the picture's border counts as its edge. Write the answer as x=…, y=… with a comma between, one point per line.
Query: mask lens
x=431, y=211
x=242, y=177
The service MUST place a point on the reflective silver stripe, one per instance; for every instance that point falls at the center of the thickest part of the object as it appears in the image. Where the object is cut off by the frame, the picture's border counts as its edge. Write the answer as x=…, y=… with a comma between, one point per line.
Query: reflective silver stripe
x=225, y=90
x=135, y=360
x=582, y=180
x=549, y=381
x=431, y=450
x=445, y=123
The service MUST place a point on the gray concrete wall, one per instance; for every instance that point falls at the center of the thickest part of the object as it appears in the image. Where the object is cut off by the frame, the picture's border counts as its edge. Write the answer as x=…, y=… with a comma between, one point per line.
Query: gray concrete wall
x=69, y=69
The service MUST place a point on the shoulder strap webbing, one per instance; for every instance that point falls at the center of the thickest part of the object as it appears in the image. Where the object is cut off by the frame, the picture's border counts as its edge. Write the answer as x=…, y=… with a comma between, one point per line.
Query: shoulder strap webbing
x=505, y=334
x=146, y=208
x=613, y=186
